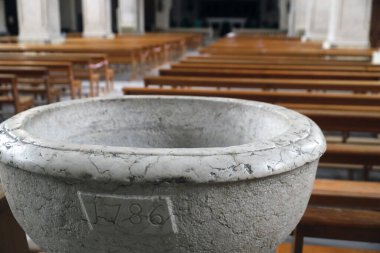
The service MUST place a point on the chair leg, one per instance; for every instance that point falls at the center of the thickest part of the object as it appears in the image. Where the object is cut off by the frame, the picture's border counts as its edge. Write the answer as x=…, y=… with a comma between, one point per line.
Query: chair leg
x=297, y=245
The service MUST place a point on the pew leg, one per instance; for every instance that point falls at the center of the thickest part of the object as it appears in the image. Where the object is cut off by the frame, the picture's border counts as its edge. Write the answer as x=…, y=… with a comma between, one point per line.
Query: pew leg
x=297, y=244
x=366, y=172
x=92, y=87
x=351, y=175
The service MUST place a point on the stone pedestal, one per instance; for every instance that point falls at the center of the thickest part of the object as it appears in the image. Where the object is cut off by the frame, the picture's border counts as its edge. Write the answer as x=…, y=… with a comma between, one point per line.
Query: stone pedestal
x=131, y=16
x=163, y=14
x=317, y=19
x=159, y=174
x=349, y=23
x=97, y=18
x=297, y=17
x=39, y=21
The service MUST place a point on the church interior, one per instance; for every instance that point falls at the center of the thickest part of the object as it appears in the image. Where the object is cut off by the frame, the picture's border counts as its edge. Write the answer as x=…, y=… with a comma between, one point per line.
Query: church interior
x=64, y=63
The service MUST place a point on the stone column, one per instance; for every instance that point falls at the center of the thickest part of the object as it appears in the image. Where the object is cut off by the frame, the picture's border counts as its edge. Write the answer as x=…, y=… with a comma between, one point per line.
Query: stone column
x=297, y=17
x=317, y=19
x=163, y=14
x=349, y=25
x=3, y=23
x=131, y=16
x=97, y=18
x=283, y=6
x=39, y=21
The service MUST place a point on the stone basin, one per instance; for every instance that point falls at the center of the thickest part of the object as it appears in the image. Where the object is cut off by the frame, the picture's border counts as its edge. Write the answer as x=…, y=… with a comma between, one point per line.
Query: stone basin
x=159, y=174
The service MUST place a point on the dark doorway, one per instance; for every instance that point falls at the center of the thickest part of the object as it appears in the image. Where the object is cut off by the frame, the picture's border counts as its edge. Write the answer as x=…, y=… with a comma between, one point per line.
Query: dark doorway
x=11, y=16
x=114, y=7
x=150, y=15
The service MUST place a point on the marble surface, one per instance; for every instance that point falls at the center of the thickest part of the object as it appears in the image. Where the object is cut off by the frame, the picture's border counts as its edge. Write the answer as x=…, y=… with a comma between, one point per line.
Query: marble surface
x=160, y=138
x=159, y=174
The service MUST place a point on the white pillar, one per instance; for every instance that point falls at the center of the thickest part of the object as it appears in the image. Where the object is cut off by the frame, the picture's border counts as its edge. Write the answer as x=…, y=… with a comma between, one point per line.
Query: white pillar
x=350, y=22
x=283, y=6
x=317, y=19
x=39, y=21
x=97, y=18
x=141, y=15
x=297, y=17
x=131, y=16
x=3, y=23
x=163, y=14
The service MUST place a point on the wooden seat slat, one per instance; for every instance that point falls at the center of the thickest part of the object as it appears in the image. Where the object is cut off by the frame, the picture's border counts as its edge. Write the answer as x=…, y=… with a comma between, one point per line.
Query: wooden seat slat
x=333, y=223
x=268, y=96
x=265, y=83
x=344, y=193
x=345, y=75
x=265, y=59
x=269, y=66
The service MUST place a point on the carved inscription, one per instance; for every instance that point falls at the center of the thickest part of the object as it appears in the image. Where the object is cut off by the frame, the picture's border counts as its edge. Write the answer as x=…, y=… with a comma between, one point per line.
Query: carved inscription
x=128, y=214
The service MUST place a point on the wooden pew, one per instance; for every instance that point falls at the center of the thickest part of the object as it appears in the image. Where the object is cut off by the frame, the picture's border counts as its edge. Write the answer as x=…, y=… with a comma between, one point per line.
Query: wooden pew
x=285, y=74
x=59, y=72
x=346, y=194
x=33, y=81
x=131, y=50
x=276, y=60
x=268, y=96
x=278, y=47
x=269, y=66
x=12, y=237
x=344, y=210
x=264, y=83
x=84, y=66
x=10, y=95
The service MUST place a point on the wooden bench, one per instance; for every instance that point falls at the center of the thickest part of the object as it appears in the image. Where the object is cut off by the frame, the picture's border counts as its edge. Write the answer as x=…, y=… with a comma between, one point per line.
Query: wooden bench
x=344, y=210
x=284, y=74
x=271, y=66
x=268, y=96
x=33, y=81
x=264, y=83
x=149, y=49
x=10, y=93
x=276, y=60
x=12, y=237
x=89, y=67
x=59, y=72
